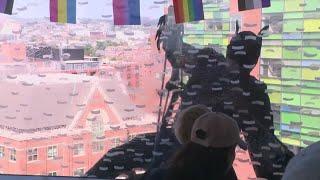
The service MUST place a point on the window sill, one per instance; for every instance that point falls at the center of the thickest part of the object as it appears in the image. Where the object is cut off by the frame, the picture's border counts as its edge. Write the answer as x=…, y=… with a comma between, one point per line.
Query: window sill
x=55, y=158
x=34, y=161
x=97, y=152
x=78, y=155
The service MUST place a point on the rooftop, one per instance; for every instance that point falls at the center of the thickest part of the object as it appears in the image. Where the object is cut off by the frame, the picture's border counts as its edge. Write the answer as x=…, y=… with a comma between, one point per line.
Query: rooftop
x=33, y=102
x=40, y=102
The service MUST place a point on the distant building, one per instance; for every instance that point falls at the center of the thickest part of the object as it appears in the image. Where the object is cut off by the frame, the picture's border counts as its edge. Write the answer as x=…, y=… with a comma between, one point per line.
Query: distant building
x=289, y=63
x=11, y=53
x=71, y=60
x=43, y=53
x=97, y=35
x=132, y=75
x=89, y=65
x=55, y=54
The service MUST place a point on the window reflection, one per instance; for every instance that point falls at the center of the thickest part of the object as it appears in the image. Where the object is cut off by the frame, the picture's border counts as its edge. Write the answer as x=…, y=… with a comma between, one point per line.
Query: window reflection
x=2, y=151
x=52, y=152
x=32, y=154
x=13, y=153
x=70, y=93
x=78, y=149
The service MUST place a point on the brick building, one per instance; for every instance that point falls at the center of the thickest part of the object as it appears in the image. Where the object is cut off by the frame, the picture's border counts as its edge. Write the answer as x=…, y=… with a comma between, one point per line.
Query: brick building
x=61, y=124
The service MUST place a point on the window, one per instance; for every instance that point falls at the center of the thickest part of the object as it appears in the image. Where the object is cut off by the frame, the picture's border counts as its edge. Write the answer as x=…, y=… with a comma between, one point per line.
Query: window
x=213, y=25
x=52, y=152
x=13, y=154
x=116, y=142
x=79, y=172
x=217, y=1
x=275, y=21
x=97, y=127
x=97, y=146
x=32, y=154
x=233, y=20
x=131, y=137
x=53, y=173
x=78, y=149
x=271, y=68
x=1, y=151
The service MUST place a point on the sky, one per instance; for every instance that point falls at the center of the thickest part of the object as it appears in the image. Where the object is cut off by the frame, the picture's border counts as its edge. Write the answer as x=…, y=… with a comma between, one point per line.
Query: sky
x=94, y=9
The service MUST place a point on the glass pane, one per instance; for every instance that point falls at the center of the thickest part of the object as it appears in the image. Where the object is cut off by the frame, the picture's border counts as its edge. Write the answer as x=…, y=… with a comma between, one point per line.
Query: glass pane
x=87, y=99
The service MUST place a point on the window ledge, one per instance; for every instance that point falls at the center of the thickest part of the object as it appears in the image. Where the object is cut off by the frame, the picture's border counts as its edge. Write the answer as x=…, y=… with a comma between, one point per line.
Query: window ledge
x=34, y=161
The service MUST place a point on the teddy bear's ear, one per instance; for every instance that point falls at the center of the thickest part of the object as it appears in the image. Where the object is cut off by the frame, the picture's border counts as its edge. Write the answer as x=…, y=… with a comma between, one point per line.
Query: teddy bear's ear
x=201, y=134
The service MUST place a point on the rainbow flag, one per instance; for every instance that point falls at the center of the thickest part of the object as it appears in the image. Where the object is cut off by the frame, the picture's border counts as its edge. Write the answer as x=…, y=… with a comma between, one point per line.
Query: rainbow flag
x=188, y=10
x=126, y=12
x=63, y=11
x=6, y=6
x=253, y=4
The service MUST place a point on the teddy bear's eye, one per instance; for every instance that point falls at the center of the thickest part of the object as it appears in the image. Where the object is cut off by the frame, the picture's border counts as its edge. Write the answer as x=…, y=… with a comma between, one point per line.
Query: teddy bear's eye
x=201, y=134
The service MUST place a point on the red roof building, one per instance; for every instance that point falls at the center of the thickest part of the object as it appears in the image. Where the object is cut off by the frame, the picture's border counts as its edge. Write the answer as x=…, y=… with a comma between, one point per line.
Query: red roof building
x=61, y=124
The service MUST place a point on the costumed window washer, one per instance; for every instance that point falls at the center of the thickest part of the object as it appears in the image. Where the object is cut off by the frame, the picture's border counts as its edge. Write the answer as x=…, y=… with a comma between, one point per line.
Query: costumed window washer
x=213, y=77
x=221, y=85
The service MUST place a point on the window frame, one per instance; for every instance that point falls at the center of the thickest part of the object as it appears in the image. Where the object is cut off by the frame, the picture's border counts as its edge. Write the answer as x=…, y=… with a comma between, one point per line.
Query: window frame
x=51, y=173
x=2, y=152
x=131, y=136
x=34, y=153
x=116, y=142
x=53, y=155
x=97, y=146
x=75, y=149
x=12, y=153
x=232, y=22
x=75, y=172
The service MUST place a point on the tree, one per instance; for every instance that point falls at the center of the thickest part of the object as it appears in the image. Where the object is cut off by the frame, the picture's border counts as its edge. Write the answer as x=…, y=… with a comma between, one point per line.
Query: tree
x=89, y=50
x=101, y=45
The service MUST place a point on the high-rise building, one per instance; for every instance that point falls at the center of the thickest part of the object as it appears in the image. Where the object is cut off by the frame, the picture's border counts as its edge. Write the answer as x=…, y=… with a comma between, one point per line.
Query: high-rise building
x=290, y=66
x=289, y=62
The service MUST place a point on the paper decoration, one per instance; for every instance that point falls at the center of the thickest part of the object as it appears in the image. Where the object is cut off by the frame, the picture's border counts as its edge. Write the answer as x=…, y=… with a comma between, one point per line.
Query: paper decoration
x=188, y=10
x=126, y=12
x=6, y=6
x=253, y=4
x=63, y=11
